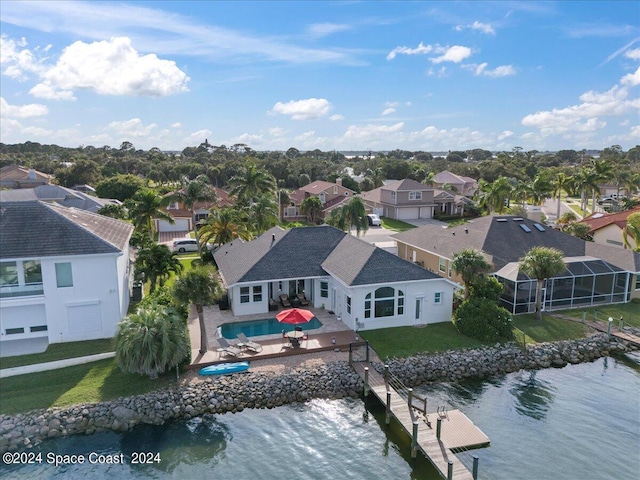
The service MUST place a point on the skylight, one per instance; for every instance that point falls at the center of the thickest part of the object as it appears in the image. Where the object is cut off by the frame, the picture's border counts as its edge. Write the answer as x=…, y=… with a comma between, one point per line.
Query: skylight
x=525, y=228
x=539, y=227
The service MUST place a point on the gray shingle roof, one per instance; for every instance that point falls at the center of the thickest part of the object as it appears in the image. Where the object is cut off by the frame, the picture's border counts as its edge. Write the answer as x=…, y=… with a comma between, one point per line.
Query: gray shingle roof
x=39, y=229
x=61, y=195
x=505, y=241
x=312, y=252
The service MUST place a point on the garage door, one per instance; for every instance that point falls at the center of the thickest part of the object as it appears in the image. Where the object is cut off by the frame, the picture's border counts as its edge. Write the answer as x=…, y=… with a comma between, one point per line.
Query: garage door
x=425, y=212
x=408, y=213
x=379, y=211
x=181, y=225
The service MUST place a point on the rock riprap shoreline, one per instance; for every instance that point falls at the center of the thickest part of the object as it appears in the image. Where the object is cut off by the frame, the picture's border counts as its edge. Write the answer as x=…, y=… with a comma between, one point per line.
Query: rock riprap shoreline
x=234, y=393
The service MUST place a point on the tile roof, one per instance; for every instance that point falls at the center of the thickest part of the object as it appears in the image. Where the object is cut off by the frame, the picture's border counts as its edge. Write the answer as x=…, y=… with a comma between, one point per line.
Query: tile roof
x=21, y=174
x=312, y=252
x=39, y=229
x=505, y=241
x=317, y=186
x=597, y=221
x=407, y=184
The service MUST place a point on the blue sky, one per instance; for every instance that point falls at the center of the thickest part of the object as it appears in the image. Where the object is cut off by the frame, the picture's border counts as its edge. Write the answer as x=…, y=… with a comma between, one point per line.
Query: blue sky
x=352, y=75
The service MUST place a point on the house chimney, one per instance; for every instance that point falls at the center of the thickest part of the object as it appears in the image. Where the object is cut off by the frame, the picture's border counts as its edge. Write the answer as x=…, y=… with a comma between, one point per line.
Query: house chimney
x=339, y=181
x=32, y=174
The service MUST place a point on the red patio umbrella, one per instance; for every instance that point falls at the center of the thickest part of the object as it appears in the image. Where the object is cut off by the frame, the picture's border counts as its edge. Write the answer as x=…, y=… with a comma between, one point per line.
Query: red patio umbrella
x=294, y=316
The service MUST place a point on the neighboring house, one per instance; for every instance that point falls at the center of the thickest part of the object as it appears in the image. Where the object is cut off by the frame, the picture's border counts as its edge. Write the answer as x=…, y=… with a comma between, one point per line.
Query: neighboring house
x=64, y=273
x=183, y=220
x=596, y=274
x=465, y=186
x=332, y=195
x=449, y=203
x=606, y=228
x=614, y=191
x=365, y=286
x=15, y=176
x=60, y=195
x=401, y=199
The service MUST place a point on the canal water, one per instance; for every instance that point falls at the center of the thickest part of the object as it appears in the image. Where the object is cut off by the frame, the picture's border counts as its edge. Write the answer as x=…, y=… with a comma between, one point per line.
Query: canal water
x=580, y=422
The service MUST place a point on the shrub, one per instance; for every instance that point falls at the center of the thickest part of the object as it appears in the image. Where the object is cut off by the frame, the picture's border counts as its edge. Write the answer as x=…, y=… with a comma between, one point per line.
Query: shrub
x=163, y=296
x=484, y=320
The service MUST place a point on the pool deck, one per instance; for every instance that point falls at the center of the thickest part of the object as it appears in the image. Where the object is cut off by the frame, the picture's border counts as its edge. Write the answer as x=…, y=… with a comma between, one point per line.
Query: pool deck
x=273, y=346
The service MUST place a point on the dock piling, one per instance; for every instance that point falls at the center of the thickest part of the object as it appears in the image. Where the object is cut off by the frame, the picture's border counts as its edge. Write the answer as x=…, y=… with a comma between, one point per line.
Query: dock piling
x=438, y=428
x=366, y=381
x=414, y=440
x=475, y=467
x=449, y=470
x=387, y=414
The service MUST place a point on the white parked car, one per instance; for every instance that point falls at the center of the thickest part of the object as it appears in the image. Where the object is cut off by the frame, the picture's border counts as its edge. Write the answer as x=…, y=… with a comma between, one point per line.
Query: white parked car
x=374, y=220
x=186, y=245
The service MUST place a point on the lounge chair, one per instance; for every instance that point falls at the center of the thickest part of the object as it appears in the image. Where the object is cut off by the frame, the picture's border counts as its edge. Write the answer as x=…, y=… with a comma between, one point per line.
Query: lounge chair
x=248, y=344
x=303, y=300
x=284, y=300
x=227, y=348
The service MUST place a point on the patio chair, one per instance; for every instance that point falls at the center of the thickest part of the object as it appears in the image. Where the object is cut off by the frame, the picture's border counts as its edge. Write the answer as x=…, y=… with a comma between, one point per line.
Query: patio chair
x=284, y=300
x=227, y=348
x=249, y=344
x=303, y=300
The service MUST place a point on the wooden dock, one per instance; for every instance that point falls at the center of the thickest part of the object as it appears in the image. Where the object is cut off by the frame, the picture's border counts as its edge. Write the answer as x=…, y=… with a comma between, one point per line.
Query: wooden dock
x=457, y=432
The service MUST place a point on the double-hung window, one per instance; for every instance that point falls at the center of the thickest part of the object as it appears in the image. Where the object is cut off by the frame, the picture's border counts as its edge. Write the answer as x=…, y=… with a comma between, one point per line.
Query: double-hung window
x=324, y=289
x=415, y=195
x=244, y=295
x=437, y=297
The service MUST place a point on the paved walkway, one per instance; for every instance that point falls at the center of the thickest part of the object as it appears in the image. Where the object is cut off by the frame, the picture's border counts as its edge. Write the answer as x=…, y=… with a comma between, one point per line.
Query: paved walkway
x=43, y=367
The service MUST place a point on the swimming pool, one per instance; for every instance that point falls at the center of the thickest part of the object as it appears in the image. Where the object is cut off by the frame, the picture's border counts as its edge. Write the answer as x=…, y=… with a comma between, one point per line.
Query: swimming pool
x=266, y=326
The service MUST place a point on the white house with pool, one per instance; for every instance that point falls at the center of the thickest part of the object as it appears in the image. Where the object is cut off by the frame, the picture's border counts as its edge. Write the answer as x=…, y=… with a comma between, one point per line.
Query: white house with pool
x=365, y=286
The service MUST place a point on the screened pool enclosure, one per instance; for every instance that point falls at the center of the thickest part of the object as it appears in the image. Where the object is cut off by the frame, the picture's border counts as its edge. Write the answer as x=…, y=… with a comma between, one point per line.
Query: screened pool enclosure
x=585, y=282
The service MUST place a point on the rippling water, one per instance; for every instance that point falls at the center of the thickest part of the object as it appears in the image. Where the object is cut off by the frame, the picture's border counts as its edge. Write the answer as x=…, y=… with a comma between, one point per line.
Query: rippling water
x=579, y=422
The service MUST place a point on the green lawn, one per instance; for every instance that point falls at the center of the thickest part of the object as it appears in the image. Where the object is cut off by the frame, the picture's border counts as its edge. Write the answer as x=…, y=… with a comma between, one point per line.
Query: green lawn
x=60, y=351
x=630, y=312
x=551, y=329
x=407, y=341
x=396, y=225
x=92, y=382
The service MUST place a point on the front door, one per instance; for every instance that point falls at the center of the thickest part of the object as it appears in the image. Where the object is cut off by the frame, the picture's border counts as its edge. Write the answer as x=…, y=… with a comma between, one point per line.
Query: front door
x=418, y=317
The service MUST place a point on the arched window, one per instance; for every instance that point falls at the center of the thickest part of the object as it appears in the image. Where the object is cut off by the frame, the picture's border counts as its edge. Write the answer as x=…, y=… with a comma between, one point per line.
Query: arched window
x=386, y=303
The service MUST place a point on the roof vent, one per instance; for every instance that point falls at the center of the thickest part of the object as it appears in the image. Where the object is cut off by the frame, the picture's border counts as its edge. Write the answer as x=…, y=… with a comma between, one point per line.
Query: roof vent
x=539, y=227
x=501, y=220
x=466, y=230
x=525, y=228
x=518, y=219
x=453, y=233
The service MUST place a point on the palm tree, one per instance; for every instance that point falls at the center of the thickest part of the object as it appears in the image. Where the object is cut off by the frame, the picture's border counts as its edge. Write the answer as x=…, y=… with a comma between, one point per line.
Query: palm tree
x=469, y=264
x=151, y=341
x=283, y=201
x=541, y=188
x=199, y=287
x=494, y=196
x=353, y=214
x=157, y=262
x=263, y=214
x=145, y=206
x=542, y=263
x=559, y=184
x=224, y=225
x=311, y=207
x=252, y=182
x=632, y=232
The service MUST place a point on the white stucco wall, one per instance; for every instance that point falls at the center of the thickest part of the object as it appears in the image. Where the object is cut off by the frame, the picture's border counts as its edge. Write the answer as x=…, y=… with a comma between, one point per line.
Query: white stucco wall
x=99, y=293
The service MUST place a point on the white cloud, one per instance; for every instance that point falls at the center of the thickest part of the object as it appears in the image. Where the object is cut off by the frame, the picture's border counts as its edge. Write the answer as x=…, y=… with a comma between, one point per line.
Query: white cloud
x=22, y=111
x=46, y=91
x=388, y=111
x=16, y=60
x=440, y=73
x=505, y=134
x=276, y=132
x=248, y=139
x=196, y=138
x=318, y=30
x=454, y=54
x=111, y=68
x=176, y=125
x=631, y=79
x=371, y=132
x=308, y=109
x=482, y=27
x=584, y=116
x=633, y=54
x=419, y=50
x=481, y=69
x=336, y=117
x=132, y=128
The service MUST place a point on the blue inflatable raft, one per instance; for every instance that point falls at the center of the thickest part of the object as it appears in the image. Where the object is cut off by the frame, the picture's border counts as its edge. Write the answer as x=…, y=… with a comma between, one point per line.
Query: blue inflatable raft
x=225, y=368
